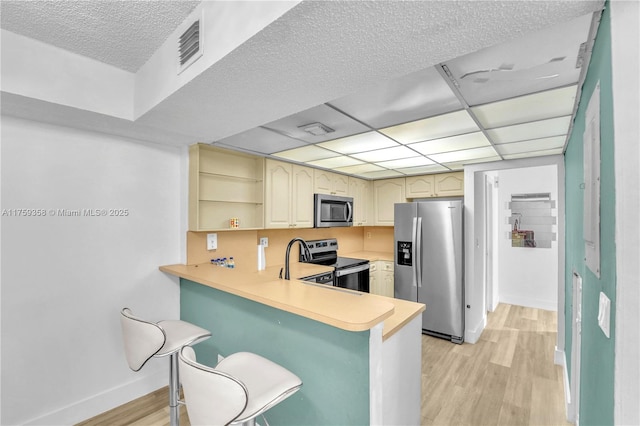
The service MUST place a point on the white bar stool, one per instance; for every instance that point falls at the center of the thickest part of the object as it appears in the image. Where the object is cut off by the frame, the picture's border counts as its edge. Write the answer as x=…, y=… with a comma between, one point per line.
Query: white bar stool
x=144, y=340
x=240, y=388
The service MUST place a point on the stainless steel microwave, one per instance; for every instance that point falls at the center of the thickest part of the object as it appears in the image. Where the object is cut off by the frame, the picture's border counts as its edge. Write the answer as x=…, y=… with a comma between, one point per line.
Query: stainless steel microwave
x=332, y=211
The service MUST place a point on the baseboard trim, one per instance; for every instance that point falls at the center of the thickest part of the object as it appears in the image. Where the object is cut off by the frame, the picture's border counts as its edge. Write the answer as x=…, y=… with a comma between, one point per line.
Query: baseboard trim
x=473, y=335
x=547, y=305
x=568, y=403
x=103, y=401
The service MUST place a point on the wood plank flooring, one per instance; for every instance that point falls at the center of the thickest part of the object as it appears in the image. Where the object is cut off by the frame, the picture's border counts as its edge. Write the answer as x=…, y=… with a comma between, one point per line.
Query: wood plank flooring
x=507, y=378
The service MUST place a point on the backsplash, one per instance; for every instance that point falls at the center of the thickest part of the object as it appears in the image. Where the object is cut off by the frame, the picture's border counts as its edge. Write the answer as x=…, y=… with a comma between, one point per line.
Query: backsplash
x=242, y=245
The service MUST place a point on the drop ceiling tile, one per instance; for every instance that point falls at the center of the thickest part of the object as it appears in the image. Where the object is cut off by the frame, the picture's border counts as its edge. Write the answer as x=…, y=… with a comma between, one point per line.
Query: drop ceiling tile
x=454, y=143
x=405, y=162
x=305, y=153
x=435, y=168
x=340, y=123
x=442, y=126
x=414, y=96
x=539, y=106
x=531, y=145
x=359, y=169
x=334, y=162
x=357, y=143
x=394, y=153
x=542, y=153
x=536, y=62
x=260, y=140
x=534, y=130
x=464, y=156
x=381, y=174
x=459, y=165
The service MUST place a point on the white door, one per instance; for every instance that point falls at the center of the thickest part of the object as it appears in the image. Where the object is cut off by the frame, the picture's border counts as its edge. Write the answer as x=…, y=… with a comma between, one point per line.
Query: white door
x=574, y=412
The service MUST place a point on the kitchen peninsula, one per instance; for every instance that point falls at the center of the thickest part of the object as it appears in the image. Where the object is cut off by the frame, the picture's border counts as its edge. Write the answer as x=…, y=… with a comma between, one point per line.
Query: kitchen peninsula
x=358, y=354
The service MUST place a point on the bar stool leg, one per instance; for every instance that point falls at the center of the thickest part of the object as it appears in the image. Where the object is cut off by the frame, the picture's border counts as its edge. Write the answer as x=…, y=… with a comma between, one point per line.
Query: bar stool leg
x=174, y=387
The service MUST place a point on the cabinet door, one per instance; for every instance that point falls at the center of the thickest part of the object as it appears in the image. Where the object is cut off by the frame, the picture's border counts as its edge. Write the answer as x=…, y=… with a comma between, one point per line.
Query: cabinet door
x=340, y=184
x=386, y=285
x=360, y=190
x=386, y=193
x=278, y=194
x=302, y=197
x=449, y=184
x=322, y=182
x=420, y=186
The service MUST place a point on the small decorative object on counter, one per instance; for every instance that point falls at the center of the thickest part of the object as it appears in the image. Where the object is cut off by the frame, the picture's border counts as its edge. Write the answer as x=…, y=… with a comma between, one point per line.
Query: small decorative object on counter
x=231, y=264
x=234, y=223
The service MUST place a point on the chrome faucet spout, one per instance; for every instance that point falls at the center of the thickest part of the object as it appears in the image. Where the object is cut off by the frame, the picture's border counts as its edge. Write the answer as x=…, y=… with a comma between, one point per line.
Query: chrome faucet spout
x=306, y=255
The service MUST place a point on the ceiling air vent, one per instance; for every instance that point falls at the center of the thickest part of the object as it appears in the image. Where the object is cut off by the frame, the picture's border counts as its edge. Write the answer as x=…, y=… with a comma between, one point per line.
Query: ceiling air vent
x=190, y=46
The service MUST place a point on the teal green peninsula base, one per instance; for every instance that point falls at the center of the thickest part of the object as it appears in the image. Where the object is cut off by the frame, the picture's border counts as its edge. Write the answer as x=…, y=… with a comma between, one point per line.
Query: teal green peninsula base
x=332, y=363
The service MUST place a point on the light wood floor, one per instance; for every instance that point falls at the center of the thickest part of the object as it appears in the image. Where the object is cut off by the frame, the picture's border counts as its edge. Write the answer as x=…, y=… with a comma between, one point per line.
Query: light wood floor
x=507, y=378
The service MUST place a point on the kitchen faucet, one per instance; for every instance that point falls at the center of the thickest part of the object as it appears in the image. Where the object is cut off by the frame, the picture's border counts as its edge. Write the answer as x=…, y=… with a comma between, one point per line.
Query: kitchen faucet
x=306, y=255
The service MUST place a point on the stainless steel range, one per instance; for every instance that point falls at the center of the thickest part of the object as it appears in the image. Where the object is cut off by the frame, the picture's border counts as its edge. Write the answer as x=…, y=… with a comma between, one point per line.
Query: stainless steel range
x=348, y=272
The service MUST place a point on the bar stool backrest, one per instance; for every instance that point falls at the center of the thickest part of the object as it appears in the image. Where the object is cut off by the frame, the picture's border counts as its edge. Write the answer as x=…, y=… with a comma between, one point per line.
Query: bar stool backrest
x=212, y=397
x=142, y=339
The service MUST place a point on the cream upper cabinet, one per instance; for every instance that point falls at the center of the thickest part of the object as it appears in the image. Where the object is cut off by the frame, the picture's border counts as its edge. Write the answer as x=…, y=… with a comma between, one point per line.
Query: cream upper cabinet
x=223, y=185
x=438, y=185
x=420, y=186
x=386, y=193
x=326, y=182
x=360, y=190
x=449, y=184
x=289, y=195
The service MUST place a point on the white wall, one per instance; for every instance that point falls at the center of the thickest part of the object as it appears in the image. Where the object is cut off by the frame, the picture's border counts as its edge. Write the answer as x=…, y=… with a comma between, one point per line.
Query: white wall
x=65, y=279
x=625, y=33
x=527, y=276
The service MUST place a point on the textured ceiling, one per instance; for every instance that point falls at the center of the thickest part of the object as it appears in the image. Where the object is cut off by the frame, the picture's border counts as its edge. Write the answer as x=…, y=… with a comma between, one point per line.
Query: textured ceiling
x=120, y=33
x=317, y=52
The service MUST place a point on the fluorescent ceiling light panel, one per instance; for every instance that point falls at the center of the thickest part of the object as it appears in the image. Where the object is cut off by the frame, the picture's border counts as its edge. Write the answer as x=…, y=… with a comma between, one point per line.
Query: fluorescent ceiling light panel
x=362, y=168
x=534, y=130
x=556, y=151
x=381, y=174
x=533, y=145
x=305, y=153
x=334, y=162
x=464, y=155
x=422, y=170
x=357, y=143
x=405, y=162
x=441, y=126
x=386, y=154
x=454, y=143
x=538, y=106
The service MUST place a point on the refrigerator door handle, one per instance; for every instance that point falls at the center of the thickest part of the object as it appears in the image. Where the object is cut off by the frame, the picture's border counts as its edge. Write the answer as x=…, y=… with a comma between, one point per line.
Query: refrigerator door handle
x=419, y=252
x=413, y=251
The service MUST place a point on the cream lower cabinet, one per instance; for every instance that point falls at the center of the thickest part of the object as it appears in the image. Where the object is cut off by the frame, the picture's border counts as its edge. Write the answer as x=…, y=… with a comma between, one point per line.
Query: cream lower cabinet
x=288, y=196
x=360, y=190
x=386, y=193
x=381, y=278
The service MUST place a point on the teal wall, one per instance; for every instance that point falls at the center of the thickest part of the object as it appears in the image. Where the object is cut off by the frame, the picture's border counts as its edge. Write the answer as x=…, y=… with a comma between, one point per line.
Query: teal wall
x=597, y=362
x=332, y=363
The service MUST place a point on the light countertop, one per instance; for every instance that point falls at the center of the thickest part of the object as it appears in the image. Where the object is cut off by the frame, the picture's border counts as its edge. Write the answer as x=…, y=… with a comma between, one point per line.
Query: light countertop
x=341, y=308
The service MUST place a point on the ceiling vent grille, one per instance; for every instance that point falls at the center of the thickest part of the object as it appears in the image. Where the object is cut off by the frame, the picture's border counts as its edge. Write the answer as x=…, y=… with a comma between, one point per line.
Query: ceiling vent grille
x=190, y=46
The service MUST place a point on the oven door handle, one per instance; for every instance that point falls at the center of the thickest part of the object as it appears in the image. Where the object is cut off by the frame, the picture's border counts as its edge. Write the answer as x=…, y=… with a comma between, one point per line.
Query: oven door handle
x=351, y=270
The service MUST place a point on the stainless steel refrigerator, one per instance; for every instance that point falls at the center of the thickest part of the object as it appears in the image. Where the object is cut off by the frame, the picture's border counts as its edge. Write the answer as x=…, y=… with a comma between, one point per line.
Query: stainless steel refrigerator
x=429, y=264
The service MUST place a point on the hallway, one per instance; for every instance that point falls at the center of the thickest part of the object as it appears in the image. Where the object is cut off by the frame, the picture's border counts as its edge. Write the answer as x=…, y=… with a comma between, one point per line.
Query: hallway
x=507, y=378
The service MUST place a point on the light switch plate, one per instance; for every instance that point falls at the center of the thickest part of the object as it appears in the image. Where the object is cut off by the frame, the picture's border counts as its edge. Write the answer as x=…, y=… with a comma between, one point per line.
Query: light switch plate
x=212, y=241
x=604, y=313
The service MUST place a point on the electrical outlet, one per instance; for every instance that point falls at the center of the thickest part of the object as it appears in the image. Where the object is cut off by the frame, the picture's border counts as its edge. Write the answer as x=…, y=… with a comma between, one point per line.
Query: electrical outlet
x=264, y=241
x=212, y=241
x=369, y=235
